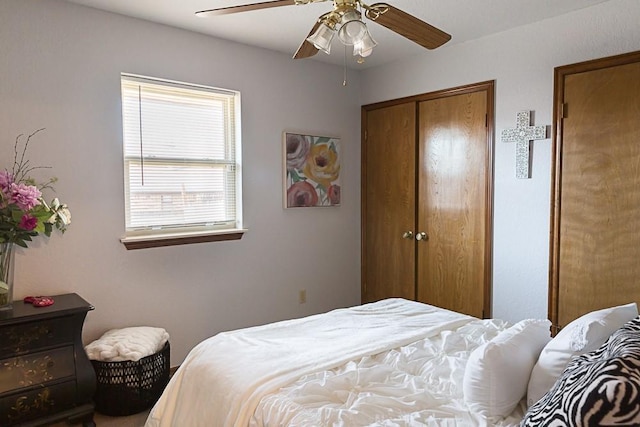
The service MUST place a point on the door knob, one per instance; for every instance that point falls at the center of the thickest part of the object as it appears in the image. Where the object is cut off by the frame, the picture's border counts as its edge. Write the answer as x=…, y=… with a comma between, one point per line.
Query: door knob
x=422, y=236
x=407, y=235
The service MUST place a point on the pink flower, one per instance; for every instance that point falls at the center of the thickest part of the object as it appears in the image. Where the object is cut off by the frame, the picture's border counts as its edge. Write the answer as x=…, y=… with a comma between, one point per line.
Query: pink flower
x=301, y=194
x=6, y=179
x=297, y=151
x=28, y=222
x=334, y=195
x=25, y=196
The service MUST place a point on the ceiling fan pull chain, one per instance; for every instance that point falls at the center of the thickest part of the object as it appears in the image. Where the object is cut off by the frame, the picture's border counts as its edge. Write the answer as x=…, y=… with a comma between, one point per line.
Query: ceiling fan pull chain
x=344, y=82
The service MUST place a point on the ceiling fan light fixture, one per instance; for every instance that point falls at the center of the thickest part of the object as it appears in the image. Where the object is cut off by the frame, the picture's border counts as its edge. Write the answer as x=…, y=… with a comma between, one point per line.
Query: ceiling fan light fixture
x=352, y=29
x=322, y=38
x=346, y=19
x=365, y=46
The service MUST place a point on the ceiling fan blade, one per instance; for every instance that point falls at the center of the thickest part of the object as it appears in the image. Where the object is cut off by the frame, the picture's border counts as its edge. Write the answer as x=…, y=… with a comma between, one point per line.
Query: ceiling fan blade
x=407, y=25
x=245, y=7
x=307, y=49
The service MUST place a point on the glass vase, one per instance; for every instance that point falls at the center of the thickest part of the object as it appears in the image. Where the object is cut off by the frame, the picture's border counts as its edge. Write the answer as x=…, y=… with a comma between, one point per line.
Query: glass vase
x=6, y=275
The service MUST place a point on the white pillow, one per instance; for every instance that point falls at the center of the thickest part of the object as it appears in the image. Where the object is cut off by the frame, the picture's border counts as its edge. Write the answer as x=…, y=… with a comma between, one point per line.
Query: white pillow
x=497, y=373
x=582, y=335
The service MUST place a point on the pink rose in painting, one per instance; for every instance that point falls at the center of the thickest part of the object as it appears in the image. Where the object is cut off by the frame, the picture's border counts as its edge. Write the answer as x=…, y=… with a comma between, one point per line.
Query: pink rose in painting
x=28, y=222
x=24, y=196
x=334, y=195
x=301, y=194
x=297, y=151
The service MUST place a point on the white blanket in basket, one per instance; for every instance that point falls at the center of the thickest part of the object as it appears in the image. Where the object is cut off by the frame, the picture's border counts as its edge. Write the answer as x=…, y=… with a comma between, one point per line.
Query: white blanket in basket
x=132, y=343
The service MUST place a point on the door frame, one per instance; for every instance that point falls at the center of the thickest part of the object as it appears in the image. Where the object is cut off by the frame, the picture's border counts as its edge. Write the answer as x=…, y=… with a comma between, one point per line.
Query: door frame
x=489, y=88
x=560, y=74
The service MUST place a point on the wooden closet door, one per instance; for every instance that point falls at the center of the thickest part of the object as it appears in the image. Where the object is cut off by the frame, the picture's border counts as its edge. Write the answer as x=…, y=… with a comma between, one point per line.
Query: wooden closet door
x=596, y=241
x=453, y=203
x=388, y=208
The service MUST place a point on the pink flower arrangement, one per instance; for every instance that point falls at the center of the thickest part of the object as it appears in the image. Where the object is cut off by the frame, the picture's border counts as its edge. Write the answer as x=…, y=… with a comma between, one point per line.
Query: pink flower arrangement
x=23, y=212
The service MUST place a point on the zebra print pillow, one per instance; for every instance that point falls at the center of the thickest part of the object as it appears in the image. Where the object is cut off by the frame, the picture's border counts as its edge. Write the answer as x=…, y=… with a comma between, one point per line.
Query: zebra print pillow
x=601, y=388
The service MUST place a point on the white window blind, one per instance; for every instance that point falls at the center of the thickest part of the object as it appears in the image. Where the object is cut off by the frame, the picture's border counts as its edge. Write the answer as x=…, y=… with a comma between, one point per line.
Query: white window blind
x=181, y=157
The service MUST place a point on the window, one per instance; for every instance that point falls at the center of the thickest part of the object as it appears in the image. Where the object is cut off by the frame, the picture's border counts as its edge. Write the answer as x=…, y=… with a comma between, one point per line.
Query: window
x=181, y=163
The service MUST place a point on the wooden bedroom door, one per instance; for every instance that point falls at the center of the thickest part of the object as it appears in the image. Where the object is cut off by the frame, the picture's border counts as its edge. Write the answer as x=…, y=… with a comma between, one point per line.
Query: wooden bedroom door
x=453, y=185
x=388, y=189
x=596, y=203
x=427, y=168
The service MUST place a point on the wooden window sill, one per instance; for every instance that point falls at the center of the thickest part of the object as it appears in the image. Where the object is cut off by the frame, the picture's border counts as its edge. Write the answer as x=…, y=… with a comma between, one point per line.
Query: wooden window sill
x=173, y=239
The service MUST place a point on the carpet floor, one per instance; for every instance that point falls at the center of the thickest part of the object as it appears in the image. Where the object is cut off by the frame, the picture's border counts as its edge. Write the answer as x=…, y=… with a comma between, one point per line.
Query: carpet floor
x=136, y=420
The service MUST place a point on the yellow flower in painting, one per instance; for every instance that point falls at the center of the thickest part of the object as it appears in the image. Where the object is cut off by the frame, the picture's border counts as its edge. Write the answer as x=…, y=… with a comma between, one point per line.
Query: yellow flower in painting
x=322, y=165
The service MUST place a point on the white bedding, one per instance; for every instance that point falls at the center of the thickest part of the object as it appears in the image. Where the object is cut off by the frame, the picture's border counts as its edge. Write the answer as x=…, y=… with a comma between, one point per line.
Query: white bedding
x=416, y=385
x=348, y=359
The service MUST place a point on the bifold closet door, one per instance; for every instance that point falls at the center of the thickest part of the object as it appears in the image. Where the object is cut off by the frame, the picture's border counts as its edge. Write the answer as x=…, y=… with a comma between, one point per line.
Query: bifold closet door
x=389, y=199
x=453, y=203
x=596, y=217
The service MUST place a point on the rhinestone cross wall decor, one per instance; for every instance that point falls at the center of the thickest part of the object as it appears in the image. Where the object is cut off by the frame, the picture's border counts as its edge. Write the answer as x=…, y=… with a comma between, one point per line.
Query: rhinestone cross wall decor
x=522, y=135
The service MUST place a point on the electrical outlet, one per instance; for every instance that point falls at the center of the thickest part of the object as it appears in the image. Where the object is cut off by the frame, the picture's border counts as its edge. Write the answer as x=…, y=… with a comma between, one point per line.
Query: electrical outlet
x=302, y=296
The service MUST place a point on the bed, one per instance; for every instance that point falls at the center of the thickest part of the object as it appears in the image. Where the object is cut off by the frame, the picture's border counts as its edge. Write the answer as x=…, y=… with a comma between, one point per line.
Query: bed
x=389, y=363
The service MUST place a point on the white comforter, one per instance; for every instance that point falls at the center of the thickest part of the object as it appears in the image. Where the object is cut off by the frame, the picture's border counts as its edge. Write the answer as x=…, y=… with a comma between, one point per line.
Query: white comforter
x=416, y=385
x=227, y=377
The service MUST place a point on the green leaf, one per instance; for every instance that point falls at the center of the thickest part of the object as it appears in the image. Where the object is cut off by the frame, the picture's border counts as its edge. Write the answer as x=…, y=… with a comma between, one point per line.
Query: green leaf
x=16, y=215
x=296, y=177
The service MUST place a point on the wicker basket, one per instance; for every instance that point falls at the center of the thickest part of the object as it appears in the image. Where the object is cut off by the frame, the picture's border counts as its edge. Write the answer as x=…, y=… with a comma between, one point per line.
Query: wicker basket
x=125, y=388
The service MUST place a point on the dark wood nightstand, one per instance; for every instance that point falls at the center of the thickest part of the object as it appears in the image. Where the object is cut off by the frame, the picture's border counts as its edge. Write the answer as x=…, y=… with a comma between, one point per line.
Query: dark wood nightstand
x=45, y=374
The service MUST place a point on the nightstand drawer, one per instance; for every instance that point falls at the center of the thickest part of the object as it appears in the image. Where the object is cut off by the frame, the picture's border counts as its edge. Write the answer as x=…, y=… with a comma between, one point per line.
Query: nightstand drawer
x=36, y=368
x=35, y=403
x=35, y=335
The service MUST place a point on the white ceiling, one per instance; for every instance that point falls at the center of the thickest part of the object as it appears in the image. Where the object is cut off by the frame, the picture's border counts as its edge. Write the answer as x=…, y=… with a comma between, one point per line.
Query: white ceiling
x=283, y=28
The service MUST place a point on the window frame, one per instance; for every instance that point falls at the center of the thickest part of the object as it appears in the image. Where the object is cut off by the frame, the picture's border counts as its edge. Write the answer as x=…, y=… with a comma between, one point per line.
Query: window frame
x=152, y=236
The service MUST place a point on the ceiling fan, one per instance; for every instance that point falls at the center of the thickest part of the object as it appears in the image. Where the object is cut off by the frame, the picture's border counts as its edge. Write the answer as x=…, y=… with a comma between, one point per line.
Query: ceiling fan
x=346, y=20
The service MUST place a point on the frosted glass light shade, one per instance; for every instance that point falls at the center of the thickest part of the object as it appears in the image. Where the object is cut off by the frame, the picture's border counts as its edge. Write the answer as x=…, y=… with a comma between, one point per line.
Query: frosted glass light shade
x=365, y=46
x=322, y=38
x=352, y=29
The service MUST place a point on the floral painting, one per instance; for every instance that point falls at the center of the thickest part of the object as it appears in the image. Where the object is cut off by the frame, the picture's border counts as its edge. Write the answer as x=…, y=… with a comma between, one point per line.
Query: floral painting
x=312, y=170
